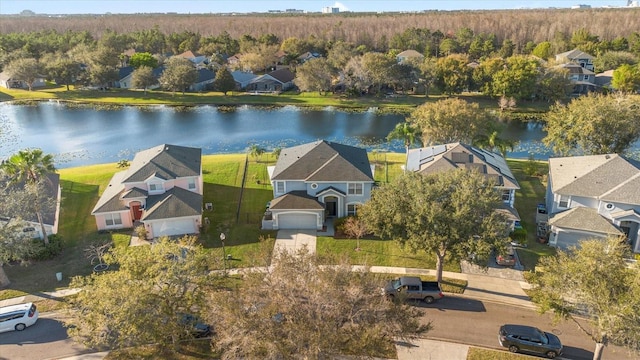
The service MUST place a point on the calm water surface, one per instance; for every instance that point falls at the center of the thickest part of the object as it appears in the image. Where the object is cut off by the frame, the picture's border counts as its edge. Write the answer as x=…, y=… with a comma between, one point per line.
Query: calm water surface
x=81, y=136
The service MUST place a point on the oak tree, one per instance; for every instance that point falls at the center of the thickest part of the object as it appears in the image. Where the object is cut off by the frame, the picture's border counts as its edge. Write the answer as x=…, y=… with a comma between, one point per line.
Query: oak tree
x=144, y=299
x=143, y=78
x=594, y=124
x=27, y=70
x=224, y=81
x=449, y=120
x=449, y=214
x=314, y=75
x=178, y=75
x=299, y=308
x=593, y=281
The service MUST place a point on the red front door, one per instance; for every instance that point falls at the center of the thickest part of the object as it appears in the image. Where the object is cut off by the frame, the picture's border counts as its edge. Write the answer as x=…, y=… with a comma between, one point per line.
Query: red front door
x=137, y=213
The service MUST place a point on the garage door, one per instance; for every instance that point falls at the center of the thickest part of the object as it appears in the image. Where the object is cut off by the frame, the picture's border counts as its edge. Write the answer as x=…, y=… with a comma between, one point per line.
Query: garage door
x=173, y=227
x=297, y=221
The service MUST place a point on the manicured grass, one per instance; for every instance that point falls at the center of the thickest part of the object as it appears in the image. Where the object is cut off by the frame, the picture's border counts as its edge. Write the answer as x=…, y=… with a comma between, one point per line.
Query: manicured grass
x=400, y=103
x=531, y=193
x=489, y=354
x=380, y=253
x=237, y=213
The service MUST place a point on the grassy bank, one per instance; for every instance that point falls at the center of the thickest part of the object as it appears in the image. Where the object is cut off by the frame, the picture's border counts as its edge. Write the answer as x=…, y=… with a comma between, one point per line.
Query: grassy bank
x=121, y=97
x=237, y=211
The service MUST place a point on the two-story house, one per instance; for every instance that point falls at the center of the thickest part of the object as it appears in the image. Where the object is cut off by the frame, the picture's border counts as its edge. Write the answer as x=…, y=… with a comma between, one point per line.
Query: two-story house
x=162, y=190
x=452, y=156
x=315, y=181
x=577, y=56
x=593, y=196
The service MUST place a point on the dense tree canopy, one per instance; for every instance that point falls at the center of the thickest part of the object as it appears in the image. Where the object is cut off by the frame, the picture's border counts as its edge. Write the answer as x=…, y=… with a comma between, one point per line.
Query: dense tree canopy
x=313, y=311
x=314, y=75
x=449, y=214
x=593, y=280
x=143, y=299
x=178, y=75
x=449, y=120
x=27, y=70
x=626, y=78
x=143, y=59
x=594, y=124
x=143, y=78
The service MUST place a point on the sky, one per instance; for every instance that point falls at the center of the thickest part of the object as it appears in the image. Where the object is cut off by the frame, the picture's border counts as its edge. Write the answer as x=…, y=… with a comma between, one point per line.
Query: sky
x=243, y=6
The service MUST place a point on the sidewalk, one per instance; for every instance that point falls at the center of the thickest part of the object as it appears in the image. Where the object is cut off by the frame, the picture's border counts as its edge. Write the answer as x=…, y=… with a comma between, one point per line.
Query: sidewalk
x=483, y=287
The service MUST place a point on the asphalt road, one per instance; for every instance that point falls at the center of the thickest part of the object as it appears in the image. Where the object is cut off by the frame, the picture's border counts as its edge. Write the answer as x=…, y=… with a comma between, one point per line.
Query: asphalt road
x=474, y=322
x=46, y=339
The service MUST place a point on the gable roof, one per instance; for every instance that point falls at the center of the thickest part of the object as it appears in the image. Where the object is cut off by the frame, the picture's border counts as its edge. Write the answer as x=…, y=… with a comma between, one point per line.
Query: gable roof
x=409, y=54
x=283, y=75
x=51, y=188
x=165, y=162
x=123, y=72
x=205, y=75
x=576, y=69
x=296, y=200
x=188, y=55
x=110, y=199
x=445, y=157
x=608, y=177
x=175, y=202
x=323, y=161
x=243, y=76
x=584, y=219
x=574, y=54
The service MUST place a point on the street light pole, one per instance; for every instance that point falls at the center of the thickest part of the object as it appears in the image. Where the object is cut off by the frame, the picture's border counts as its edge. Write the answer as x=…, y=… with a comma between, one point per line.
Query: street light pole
x=224, y=255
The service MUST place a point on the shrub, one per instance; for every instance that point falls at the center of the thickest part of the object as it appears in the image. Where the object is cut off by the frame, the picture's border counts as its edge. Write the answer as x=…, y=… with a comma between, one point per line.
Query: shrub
x=519, y=235
x=43, y=251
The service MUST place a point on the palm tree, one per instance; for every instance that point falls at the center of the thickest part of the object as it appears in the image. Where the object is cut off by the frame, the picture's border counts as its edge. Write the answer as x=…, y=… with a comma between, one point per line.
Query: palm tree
x=29, y=166
x=494, y=142
x=407, y=133
x=256, y=151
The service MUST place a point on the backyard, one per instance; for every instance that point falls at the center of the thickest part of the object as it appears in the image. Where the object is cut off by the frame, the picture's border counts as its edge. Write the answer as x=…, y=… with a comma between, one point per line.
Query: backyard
x=236, y=211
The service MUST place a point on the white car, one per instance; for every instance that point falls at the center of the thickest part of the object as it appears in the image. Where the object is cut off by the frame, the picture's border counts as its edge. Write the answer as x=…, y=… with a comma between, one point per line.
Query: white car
x=18, y=317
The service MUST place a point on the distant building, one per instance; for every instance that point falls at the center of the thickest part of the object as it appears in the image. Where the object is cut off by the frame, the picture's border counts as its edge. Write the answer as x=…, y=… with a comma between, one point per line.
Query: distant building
x=581, y=6
x=633, y=3
x=330, y=10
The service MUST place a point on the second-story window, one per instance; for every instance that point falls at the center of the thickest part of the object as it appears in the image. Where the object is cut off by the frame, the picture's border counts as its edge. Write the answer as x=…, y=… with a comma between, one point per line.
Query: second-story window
x=355, y=189
x=564, y=201
x=280, y=187
x=506, y=195
x=192, y=184
x=156, y=187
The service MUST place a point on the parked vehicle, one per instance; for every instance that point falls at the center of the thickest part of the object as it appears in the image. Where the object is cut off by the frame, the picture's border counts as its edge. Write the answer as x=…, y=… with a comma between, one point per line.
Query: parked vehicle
x=528, y=339
x=18, y=317
x=412, y=287
x=194, y=326
x=508, y=258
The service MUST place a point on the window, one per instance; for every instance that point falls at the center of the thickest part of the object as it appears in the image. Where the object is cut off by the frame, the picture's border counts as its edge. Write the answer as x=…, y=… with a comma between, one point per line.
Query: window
x=279, y=187
x=191, y=185
x=355, y=189
x=352, y=209
x=506, y=195
x=586, y=77
x=314, y=186
x=609, y=206
x=156, y=187
x=564, y=201
x=113, y=219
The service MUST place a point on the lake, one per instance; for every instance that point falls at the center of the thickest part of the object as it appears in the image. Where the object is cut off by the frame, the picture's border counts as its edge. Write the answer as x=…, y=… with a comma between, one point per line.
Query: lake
x=83, y=135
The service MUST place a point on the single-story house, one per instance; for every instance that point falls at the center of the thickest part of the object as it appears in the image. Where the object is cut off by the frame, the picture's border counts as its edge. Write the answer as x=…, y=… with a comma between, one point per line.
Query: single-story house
x=278, y=80
x=242, y=78
x=9, y=82
x=204, y=81
x=408, y=54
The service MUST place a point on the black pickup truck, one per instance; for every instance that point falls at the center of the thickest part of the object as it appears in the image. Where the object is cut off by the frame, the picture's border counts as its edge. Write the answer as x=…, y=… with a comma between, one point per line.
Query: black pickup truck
x=412, y=287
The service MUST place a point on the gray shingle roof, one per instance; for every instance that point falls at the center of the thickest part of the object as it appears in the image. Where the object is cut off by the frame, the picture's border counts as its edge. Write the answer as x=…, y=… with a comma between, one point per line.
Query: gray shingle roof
x=176, y=202
x=584, y=219
x=110, y=198
x=165, y=162
x=296, y=200
x=439, y=158
x=323, y=161
x=604, y=177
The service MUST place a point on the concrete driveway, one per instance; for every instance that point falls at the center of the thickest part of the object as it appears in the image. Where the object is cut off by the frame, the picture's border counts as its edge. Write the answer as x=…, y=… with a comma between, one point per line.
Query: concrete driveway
x=294, y=240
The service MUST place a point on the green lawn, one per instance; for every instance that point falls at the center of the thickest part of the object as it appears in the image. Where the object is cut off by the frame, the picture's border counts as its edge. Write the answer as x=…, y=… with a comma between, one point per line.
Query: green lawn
x=531, y=193
x=401, y=103
x=237, y=211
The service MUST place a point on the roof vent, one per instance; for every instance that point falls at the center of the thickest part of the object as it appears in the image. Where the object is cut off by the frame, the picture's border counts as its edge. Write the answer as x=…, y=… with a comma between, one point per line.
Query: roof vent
x=607, y=157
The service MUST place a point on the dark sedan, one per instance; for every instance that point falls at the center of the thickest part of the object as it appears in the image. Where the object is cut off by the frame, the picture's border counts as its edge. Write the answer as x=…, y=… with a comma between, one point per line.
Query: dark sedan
x=528, y=339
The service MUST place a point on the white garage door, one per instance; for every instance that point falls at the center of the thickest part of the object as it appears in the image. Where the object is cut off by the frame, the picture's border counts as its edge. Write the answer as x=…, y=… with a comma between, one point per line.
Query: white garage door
x=297, y=221
x=173, y=227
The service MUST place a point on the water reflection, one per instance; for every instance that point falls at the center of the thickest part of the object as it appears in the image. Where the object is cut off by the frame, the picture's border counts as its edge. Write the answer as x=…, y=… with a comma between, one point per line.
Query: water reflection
x=79, y=136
